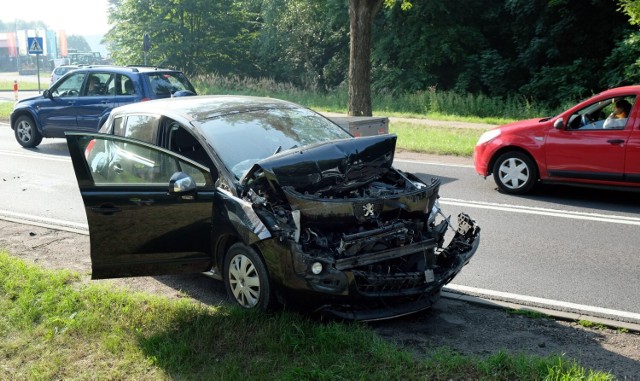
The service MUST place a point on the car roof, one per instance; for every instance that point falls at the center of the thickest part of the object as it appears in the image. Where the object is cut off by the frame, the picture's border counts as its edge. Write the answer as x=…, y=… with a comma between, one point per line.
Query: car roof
x=199, y=108
x=620, y=90
x=127, y=69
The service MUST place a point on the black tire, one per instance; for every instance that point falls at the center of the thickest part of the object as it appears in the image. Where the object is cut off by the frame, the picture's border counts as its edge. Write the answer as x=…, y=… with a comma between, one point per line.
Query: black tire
x=246, y=278
x=26, y=132
x=515, y=173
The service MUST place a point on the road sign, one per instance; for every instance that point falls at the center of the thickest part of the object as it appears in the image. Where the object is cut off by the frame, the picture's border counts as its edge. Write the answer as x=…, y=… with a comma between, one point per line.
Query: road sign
x=35, y=45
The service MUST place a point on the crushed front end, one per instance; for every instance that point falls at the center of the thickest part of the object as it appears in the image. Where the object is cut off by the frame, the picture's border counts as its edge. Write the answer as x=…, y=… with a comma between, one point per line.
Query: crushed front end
x=363, y=240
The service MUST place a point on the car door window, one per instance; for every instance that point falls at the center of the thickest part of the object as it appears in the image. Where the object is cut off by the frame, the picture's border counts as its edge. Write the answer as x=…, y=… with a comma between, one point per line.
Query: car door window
x=70, y=86
x=124, y=85
x=99, y=84
x=603, y=115
x=142, y=127
x=117, y=162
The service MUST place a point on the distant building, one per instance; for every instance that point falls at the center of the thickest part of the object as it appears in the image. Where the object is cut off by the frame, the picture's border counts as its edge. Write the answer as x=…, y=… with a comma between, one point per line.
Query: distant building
x=13, y=50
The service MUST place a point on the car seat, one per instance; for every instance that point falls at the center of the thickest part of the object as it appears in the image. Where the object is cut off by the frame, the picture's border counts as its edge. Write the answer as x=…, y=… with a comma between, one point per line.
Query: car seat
x=128, y=87
x=187, y=145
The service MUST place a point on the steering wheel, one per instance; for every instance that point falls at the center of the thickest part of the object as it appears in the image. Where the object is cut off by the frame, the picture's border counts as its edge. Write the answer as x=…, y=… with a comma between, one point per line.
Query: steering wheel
x=586, y=119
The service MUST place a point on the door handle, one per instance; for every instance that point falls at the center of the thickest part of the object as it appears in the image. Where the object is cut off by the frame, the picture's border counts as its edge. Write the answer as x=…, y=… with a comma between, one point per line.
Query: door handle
x=117, y=168
x=107, y=210
x=615, y=141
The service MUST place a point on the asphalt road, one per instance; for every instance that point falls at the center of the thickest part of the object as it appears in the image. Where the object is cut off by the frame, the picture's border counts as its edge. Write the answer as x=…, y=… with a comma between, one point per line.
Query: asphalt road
x=564, y=244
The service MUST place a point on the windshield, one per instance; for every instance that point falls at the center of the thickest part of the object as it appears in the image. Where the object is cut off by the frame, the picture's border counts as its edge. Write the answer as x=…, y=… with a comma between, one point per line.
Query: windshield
x=242, y=139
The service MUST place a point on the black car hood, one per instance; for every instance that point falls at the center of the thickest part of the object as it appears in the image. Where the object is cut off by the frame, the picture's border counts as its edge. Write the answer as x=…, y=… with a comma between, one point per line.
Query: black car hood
x=334, y=165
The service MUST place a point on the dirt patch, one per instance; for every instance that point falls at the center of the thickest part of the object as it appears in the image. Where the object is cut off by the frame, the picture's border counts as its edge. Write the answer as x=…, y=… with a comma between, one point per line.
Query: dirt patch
x=468, y=329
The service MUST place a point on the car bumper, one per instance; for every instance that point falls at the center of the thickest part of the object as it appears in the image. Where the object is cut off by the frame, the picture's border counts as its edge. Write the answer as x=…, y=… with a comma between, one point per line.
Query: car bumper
x=346, y=290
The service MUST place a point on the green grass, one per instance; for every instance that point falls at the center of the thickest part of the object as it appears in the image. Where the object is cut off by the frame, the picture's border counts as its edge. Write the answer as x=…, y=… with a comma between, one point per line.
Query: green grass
x=5, y=110
x=590, y=324
x=528, y=313
x=54, y=326
x=430, y=103
x=435, y=140
x=26, y=85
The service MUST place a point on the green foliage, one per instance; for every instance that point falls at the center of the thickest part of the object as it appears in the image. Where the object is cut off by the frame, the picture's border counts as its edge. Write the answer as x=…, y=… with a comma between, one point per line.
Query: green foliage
x=632, y=9
x=552, y=52
x=196, y=36
x=303, y=42
x=53, y=325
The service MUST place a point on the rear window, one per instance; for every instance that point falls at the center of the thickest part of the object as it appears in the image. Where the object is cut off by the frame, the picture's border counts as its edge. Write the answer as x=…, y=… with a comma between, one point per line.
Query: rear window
x=162, y=85
x=63, y=70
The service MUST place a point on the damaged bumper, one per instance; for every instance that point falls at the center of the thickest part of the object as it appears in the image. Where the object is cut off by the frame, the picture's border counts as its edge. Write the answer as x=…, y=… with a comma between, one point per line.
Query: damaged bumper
x=369, y=287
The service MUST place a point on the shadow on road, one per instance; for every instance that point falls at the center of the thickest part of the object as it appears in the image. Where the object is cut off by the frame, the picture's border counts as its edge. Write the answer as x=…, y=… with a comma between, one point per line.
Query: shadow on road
x=57, y=147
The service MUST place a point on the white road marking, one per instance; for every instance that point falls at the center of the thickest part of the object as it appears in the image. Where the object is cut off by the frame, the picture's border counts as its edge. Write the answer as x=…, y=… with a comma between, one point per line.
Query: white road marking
x=535, y=301
x=46, y=222
x=608, y=218
x=35, y=156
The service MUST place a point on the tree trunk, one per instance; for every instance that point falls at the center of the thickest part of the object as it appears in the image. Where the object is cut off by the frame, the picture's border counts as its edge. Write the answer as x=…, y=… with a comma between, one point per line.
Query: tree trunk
x=361, y=13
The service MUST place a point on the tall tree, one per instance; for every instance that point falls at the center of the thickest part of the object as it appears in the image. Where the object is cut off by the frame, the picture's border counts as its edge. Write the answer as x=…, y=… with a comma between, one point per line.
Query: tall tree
x=303, y=42
x=361, y=13
x=75, y=41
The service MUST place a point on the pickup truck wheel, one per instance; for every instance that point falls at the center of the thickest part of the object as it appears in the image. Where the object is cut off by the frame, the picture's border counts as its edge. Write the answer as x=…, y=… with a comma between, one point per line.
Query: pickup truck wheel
x=26, y=132
x=246, y=278
x=515, y=173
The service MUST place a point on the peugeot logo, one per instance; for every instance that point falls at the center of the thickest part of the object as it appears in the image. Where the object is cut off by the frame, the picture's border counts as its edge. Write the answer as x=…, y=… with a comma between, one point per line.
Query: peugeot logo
x=368, y=209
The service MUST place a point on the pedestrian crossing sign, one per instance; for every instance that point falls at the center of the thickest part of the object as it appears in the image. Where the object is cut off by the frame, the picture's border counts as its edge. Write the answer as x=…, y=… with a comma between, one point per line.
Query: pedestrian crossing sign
x=35, y=45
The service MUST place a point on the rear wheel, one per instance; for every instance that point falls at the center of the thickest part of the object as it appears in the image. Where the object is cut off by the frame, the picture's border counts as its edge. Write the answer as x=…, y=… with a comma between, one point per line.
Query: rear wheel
x=246, y=278
x=26, y=132
x=515, y=173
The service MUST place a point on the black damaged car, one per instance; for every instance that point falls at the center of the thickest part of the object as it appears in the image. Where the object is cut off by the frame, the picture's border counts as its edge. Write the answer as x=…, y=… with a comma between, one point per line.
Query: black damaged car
x=275, y=200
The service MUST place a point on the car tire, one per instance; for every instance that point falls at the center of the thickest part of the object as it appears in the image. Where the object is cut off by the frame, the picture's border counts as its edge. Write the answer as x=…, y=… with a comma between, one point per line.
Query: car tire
x=26, y=132
x=515, y=173
x=246, y=278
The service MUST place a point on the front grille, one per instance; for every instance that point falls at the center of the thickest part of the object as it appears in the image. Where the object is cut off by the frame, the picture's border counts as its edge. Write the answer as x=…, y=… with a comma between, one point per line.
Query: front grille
x=373, y=282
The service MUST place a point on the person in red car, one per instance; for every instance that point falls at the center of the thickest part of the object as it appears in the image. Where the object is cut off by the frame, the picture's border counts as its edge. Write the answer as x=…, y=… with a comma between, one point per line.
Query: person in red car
x=618, y=118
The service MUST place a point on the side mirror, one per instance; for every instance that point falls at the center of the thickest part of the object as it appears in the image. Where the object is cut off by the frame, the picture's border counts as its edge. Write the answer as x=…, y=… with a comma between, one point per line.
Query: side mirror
x=47, y=94
x=558, y=124
x=182, y=184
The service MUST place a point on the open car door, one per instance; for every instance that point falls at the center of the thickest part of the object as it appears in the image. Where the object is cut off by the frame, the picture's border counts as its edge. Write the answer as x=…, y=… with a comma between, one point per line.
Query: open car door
x=149, y=210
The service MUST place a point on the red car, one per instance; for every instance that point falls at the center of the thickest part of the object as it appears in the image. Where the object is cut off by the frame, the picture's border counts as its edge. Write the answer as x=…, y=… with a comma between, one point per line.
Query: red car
x=591, y=144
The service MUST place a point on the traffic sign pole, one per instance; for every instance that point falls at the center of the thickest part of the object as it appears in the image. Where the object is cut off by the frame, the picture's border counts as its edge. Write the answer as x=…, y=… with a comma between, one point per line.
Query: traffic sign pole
x=35, y=47
x=38, y=70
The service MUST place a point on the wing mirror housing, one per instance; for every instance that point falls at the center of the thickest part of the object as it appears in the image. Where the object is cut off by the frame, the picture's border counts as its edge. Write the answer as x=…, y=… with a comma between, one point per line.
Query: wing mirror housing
x=558, y=124
x=47, y=94
x=182, y=184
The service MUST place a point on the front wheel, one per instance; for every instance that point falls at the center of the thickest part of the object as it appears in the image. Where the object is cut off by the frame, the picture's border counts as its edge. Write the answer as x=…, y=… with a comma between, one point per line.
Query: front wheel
x=26, y=132
x=246, y=278
x=515, y=173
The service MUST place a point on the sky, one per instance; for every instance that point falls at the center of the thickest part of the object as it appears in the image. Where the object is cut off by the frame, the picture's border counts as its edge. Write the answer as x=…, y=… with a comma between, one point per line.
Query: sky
x=81, y=17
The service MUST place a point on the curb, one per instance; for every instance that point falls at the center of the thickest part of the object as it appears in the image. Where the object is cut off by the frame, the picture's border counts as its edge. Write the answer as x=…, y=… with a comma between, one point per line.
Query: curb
x=549, y=310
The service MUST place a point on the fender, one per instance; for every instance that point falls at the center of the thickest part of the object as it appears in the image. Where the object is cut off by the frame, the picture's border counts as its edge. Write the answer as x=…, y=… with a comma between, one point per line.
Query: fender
x=24, y=111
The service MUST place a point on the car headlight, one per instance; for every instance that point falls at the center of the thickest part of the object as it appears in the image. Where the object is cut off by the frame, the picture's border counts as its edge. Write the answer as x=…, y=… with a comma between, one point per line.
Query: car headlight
x=489, y=135
x=435, y=210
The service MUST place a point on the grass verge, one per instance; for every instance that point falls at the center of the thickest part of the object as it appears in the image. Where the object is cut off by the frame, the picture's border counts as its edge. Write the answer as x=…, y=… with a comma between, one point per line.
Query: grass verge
x=26, y=85
x=55, y=327
x=5, y=110
x=435, y=140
